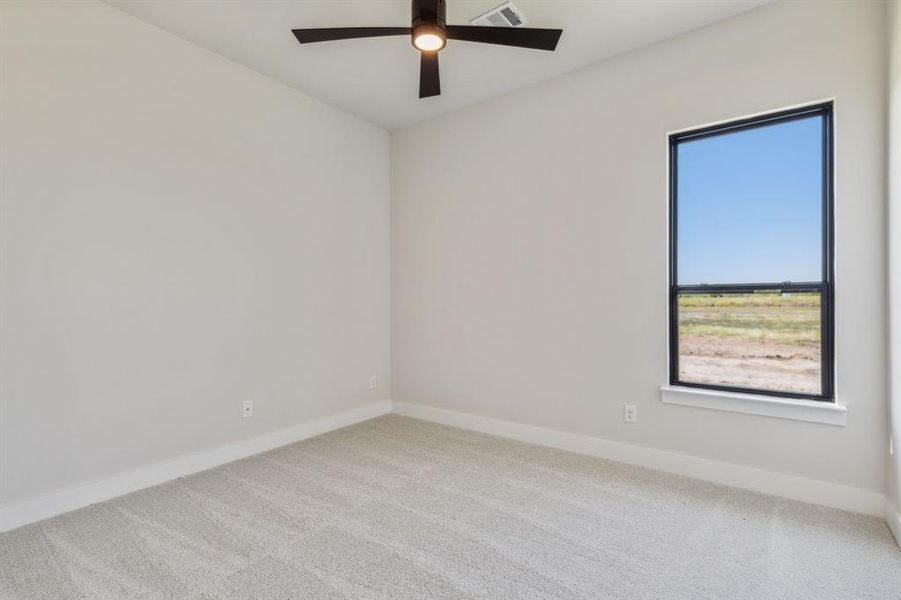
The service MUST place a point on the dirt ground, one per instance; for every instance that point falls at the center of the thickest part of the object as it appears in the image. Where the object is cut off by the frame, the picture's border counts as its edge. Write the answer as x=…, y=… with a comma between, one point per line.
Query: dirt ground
x=749, y=363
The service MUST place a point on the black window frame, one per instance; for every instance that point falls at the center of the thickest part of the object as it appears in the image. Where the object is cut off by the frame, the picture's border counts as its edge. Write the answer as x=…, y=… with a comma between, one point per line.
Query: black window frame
x=825, y=287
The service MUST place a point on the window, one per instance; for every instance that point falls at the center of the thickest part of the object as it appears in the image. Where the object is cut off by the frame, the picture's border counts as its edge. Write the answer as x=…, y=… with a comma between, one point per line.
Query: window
x=751, y=290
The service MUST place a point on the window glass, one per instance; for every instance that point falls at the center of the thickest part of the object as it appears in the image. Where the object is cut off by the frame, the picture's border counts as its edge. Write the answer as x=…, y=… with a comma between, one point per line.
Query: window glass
x=759, y=340
x=750, y=205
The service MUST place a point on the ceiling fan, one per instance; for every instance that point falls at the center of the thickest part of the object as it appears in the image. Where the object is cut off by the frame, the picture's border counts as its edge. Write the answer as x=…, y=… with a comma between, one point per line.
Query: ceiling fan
x=429, y=33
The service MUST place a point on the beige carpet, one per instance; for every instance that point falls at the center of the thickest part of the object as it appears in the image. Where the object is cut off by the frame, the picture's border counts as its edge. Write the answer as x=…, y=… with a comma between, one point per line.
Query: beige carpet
x=399, y=508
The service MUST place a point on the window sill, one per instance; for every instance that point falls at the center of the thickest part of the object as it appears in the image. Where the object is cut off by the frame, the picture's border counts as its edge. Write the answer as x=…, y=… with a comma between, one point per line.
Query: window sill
x=757, y=404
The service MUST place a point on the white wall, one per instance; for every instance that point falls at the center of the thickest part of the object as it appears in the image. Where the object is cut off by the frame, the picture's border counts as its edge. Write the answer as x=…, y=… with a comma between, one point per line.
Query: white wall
x=178, y=234
x=529, y=241
x=894, y=248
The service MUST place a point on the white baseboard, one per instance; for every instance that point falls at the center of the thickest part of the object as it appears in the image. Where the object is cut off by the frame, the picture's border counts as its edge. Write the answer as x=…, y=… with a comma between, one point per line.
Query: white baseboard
x=36, y=508
x=815, y=491
x=893, y=518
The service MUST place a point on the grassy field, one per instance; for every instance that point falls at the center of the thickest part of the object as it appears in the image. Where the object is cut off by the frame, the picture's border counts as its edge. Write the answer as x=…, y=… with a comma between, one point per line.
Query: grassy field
x=761, y=341
x=784, y=318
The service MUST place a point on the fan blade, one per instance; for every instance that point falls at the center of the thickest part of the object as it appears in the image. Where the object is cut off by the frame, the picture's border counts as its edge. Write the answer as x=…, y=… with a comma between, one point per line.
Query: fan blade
x=522, y=37
x=429, y=82
x=307, y=36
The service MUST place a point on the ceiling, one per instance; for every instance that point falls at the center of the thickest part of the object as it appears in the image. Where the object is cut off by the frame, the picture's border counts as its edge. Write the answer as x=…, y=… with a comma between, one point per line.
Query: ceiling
x=377, y=79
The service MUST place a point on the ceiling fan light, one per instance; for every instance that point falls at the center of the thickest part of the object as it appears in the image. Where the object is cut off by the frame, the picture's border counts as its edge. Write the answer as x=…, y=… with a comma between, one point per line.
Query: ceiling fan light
x=428, y=37
x=428, y=42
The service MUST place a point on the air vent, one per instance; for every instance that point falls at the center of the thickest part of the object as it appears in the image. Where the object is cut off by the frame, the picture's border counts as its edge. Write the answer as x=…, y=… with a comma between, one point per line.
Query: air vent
x=505, y=15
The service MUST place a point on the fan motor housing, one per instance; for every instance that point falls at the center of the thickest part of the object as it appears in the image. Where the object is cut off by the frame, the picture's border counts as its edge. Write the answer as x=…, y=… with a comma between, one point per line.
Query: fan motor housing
x=429, y=12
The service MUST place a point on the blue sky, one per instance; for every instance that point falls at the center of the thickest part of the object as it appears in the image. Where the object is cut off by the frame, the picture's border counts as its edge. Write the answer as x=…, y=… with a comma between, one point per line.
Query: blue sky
x=749, y=205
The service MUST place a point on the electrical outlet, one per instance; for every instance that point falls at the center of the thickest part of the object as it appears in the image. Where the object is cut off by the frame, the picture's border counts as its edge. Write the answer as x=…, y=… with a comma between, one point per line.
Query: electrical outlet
x=248, y=409
x=373, y=382
x=630, y=413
